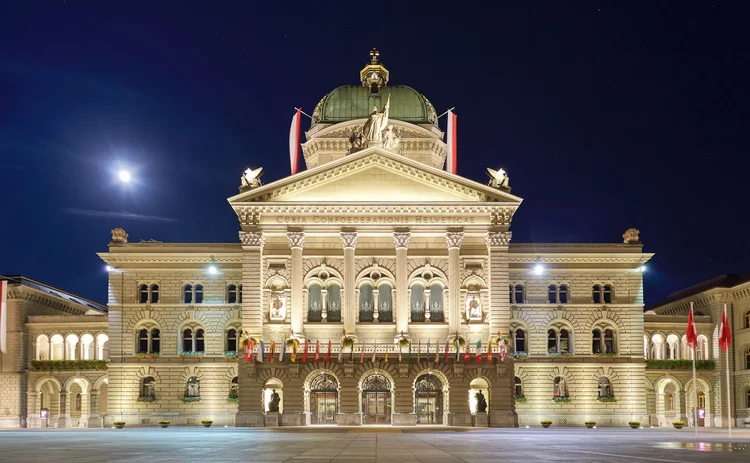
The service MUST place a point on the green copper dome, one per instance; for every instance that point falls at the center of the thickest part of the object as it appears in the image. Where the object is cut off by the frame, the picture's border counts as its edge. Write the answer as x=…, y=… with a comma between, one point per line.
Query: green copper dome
x=350, y=102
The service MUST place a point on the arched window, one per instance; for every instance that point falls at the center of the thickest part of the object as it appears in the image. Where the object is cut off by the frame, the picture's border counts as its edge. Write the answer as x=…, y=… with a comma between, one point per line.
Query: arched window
x=511, y=299
x=596, y=294
x=143, y=294
x=234, y=388
x=58, y=348
x=564, y=293
x=200, y=341
x=314, y=303
x=193, y=388
x=607, y=294
x=334, y=303
x=560, y=389
x=232, y=294
x=519, y=294
x=385, y=303
x=102, y=346
x=747, y=359
x=518, y=387
x=417, y=303
x=155, y=341
x=564, y=341
x=747, y=399
x=71, y=341
x=187, y=340
x=87, y=347
x=747, y=319
x=605, y=388
x=436, y=303
x=142, y=341
x=366, y=304
x=702, y=400
x=199, y=294
x=231, y=340
x=609, y=341
x=154, y=293
x=552, y=294
x=239, y=294
x=645, y=346
x=42, y=347
x=551, y=341
x=520, y=341
x=187, y=294
x=148, y=387
x=596, y=341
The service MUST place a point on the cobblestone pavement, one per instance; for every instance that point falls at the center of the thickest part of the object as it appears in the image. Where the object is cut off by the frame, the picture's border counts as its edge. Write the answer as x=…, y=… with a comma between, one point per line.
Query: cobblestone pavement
x=366, y=444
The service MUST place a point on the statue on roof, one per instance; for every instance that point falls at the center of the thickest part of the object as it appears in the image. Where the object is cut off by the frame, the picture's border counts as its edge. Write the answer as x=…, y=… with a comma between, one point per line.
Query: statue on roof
x=119, y=236
x=376, y=123
x=250, y=179
x=631, y=236
x=498, y=179
x=391, y=141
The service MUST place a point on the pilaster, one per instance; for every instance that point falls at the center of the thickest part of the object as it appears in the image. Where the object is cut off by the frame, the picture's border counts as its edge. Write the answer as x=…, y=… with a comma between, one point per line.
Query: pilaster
x=497, y=247
x=296, y=243
x=349, y=243
x=401, y=242
x=252, y=282
x=453, y=241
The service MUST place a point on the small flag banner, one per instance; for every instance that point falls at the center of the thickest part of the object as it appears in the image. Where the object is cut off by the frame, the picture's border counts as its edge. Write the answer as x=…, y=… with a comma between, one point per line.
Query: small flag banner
x=450, y=161
x=294, y=132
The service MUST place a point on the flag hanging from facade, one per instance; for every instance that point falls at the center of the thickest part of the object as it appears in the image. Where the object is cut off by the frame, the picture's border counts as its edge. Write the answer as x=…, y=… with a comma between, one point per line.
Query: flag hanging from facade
x=427, y=357
x=374, y=351
x=248, y=351
x=4, y=316
x=691, y=335
x=478, y=358
x=261, y=349
x=282, y=353
x=458, y=352
x=328, y=354
x=386, y=354
x=445, y=359
x=419, y=351
x=467, y=354
x=272, y=352
x=295, y=345
x=489, y=351
x=341, y=353
x=450, y=160
x=408, y=358
x=362, y=354
x=317, y=350
x=501, y=349
x=294, y=132
x=304, y=354
x=725, y=333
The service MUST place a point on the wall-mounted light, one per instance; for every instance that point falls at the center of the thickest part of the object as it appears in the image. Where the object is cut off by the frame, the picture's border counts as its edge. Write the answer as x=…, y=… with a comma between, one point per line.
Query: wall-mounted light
x=212, y=270
x=538, y=269
x=642, y=269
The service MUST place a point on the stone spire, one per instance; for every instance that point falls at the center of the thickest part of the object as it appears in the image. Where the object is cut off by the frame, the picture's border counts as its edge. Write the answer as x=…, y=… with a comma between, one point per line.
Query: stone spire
x=374, y=76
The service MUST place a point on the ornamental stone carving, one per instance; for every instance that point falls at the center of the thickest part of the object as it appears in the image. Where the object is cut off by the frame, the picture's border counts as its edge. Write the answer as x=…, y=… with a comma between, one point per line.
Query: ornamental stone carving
x=401, y=239
x=119, y=236
x=454, y=239
x=252, y=238
x=631, y=236
x=348, y=239
x=296, y=239
x=495, y=239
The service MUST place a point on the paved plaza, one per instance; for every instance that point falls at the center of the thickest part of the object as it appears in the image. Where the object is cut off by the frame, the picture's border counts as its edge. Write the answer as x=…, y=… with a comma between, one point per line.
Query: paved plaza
x=367, y=444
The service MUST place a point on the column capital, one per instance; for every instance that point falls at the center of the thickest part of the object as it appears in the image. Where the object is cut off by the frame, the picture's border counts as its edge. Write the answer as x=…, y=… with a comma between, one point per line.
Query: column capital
x=348, y=239
x=401, y=239
x=454, y=239
x=252, y=238
x=498, y=239
x=296, y=239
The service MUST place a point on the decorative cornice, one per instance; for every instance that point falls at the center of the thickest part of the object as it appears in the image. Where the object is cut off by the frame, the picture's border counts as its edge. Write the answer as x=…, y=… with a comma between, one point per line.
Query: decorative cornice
x=498, y=239
x=579, y=258
x=454, y=239
x=296, y=239
x=401, y=239
x=252, y=238
x=348, y=239
x=168, y=257
x=48, y=302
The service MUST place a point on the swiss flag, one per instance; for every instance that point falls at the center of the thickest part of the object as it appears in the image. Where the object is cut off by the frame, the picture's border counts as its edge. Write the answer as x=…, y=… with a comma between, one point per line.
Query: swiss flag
x=725, y=333
x=691, y=335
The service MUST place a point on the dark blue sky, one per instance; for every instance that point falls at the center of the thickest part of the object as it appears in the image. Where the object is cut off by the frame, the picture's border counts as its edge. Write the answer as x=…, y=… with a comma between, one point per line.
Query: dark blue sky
x=607, y=115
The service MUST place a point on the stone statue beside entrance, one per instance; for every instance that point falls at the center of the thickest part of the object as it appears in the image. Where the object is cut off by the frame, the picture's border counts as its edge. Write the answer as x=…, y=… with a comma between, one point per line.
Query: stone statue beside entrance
x=273, y=404
x=481, y=402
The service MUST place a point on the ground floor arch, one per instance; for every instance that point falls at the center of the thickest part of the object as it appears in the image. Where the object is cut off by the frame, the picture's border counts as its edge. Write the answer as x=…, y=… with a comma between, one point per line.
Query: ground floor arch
x=376, y=398
x=322, y=391
x=429, y=399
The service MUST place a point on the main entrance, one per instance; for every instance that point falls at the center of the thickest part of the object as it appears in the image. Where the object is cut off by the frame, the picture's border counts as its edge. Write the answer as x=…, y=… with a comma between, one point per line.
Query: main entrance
x=428, y=400
x=324, y=399
x=376, y=400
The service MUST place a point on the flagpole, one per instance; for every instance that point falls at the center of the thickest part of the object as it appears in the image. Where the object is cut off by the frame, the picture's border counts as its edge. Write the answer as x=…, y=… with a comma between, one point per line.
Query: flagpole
x=300, y=110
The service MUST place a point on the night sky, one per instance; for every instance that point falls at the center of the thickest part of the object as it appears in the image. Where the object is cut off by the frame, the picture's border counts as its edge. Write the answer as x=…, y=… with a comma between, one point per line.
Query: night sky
x=606, y=115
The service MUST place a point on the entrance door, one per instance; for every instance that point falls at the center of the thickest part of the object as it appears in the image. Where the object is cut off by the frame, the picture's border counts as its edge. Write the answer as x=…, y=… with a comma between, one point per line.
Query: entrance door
x=428, y=400
x=324, y=399
x=376, y=400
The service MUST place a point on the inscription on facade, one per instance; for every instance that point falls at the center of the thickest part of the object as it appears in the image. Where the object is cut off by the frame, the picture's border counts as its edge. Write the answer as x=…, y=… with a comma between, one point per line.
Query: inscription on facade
x=374, y=219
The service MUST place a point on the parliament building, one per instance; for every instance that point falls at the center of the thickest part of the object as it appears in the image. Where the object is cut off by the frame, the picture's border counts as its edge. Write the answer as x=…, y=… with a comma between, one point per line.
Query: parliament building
x=352, y=296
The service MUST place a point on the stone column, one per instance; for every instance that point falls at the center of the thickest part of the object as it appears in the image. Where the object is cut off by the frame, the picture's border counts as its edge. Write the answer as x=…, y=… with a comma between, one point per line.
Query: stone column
x=349, y=242
x=63, y=420
x=33, y=408
x=297, y=242
x=454, y=241
x=401, y=241
x=497, y=246
x=95, y=420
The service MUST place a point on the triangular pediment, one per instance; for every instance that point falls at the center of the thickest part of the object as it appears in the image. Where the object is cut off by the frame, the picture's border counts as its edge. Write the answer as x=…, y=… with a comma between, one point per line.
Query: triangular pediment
x=374, y=175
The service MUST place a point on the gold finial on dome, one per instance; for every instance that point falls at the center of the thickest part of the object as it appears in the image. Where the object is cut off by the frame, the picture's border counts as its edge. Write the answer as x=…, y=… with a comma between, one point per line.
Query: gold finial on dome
x=374, y=76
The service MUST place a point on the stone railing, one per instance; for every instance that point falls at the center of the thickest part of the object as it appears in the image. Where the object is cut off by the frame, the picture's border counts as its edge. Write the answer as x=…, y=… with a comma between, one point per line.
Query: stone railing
x=49, y=365
x=654, y=364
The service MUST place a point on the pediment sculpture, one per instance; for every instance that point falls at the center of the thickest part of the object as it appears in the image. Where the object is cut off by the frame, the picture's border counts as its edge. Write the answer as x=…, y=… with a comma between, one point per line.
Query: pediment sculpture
x=373, y=129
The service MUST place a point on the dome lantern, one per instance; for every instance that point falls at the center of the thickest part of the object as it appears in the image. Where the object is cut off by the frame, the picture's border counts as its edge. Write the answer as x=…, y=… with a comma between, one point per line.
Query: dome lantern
x=374, y=76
